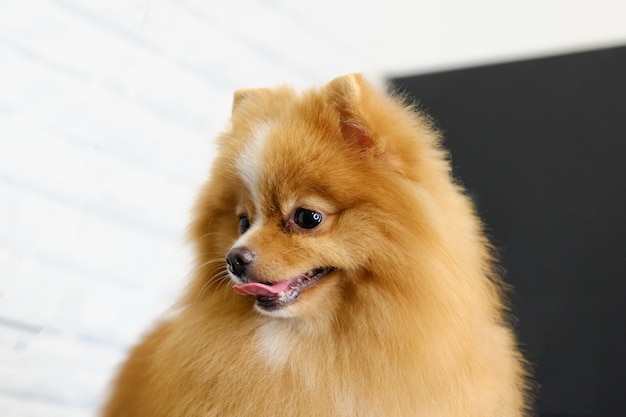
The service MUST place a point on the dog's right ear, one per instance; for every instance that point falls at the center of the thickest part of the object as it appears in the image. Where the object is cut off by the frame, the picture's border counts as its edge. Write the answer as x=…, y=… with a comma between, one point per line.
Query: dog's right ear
x=240, y=95
x=245, y=94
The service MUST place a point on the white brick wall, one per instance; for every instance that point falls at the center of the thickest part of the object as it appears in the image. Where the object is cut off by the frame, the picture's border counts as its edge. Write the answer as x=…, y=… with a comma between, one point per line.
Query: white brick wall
x=107, y=109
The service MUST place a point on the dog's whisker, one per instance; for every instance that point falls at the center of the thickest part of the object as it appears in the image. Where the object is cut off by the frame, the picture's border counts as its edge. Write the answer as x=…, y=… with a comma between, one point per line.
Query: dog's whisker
x=219, y=277
x=212, y=261
x=216, y=234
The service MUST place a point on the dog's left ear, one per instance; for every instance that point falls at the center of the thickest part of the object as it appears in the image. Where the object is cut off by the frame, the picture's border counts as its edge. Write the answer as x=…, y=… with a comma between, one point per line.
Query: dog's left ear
x=380, y=125
x=350, y=95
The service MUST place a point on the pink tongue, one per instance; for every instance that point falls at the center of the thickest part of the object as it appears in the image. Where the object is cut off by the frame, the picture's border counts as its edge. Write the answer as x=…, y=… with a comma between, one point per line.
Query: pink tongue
x=256, y=288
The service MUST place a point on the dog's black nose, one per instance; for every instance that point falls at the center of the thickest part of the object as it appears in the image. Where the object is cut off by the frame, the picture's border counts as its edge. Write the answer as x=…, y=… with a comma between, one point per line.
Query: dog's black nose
x=238, y=260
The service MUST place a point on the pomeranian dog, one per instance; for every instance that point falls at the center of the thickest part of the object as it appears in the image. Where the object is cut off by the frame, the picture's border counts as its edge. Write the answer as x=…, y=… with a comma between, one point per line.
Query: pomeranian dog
x=341, y=271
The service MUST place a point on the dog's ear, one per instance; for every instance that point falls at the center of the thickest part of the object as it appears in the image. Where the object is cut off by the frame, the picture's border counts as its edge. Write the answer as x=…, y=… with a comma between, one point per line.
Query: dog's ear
x=349, y=95
x=240, y=95
x=380, y=125
x=245, y=94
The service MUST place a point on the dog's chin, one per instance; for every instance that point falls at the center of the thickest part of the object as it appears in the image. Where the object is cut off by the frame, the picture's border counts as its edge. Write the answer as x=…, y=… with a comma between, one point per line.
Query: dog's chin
x=281, y=298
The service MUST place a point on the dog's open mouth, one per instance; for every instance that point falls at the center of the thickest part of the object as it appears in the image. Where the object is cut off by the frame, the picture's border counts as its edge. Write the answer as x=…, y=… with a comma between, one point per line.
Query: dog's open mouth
x=275, y=295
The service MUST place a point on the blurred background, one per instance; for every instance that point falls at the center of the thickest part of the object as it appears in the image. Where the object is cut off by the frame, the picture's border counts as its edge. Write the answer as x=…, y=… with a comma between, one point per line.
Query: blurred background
x=108, y=109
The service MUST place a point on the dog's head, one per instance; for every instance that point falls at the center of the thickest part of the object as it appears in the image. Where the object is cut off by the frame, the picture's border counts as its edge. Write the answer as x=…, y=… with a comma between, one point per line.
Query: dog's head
x=308, y=196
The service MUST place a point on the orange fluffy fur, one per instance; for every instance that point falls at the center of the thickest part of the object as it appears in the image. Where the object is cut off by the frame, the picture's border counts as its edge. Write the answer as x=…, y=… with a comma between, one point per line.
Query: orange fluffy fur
x=410, y=323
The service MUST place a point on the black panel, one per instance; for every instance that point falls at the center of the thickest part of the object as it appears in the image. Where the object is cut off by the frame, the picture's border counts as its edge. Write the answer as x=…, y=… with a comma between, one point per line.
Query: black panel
x=541, y=146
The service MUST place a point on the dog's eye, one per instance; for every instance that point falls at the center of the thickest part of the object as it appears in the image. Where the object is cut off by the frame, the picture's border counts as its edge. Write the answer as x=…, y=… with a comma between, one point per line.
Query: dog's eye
x=244, y=223
x=307, y=219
